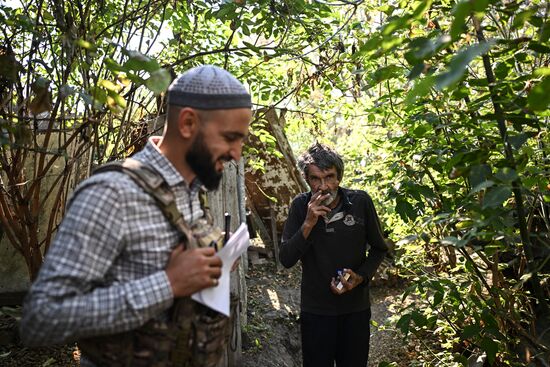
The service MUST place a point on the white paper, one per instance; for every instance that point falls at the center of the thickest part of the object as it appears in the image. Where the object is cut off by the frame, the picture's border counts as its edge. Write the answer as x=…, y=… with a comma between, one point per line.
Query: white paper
x=217, y=298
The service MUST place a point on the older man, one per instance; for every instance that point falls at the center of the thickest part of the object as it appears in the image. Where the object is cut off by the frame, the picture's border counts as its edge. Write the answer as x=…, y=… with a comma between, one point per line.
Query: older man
x=330, y=229
x=118, y=277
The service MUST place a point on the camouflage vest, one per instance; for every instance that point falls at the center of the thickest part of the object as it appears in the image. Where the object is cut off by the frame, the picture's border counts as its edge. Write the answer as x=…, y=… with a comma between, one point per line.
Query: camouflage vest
x=193, y=335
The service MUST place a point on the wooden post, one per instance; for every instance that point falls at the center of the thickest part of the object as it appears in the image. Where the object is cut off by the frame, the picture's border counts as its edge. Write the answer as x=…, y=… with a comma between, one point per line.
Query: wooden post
x=274, y=236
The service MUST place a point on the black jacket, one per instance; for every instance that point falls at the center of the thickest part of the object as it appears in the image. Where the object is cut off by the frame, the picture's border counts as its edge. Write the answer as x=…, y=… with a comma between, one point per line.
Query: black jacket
x=332, y=246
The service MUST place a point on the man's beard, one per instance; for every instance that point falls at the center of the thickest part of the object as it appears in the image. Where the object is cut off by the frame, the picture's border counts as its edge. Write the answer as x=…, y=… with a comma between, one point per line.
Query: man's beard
x=202, y=163
x=331, y=198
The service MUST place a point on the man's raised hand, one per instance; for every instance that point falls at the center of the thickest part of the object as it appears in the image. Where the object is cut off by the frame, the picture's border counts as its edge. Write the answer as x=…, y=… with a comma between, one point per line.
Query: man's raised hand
x=190, y=271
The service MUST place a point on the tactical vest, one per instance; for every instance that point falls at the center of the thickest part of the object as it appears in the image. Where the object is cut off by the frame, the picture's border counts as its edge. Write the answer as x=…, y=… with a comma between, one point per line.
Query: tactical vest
x=193, y=335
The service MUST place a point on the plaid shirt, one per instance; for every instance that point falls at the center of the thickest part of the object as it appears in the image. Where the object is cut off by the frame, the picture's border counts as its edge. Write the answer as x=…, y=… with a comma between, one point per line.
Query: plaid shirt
x=104, y=272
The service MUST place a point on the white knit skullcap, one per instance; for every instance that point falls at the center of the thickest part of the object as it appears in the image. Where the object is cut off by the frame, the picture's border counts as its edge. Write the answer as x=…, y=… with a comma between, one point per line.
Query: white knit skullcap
x=208, y=87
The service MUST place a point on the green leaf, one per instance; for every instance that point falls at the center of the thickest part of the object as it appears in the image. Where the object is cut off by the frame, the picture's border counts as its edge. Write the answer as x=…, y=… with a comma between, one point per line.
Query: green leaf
x=539, y=47
x=251, y=46
x=490, y=347
x=470, y=267
x=420, y=89
x=522, y=17
x=112, y=65
x=479, y=174
x=539, y=96
x=470, y=331
x=422, y=48
x=386, y=72
x=421, y=130
x=419, y=319
x=405, y=210
x=107, y=84
x=480, y=5
x=542, y=72
x=438, y=297
x=449, y=241
x=518, y=140
x=545, y=31
x=9, y=67
x=138, y=61
x=421, y=9
x=416, y=71
x=461, y=11
x=460, y=62
x=225, y=11
x=404, y=323
x=395, y=24
x=119, y=100
x=85, y=44
x=159, y=81
x=368, y=47
x=482, y=185
x=506, y=174
x=502, y=70
x=495, y=196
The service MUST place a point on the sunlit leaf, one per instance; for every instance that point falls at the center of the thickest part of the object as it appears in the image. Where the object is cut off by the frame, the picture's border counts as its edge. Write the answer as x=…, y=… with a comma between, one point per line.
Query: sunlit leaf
x=522, y=17
x=159, y=81
x=438, y=297
x=138, y=61
x=461, y=11
x=479, y=6
x=449, y=241
x=544, y=71
x=369, y=46
x=421, y=8
x=458, y=64
x=118, y=99
x=85, y=44
x=386, y=72
x=107, y=84
x=394, y=25
x=420, y=89
x=539, y=96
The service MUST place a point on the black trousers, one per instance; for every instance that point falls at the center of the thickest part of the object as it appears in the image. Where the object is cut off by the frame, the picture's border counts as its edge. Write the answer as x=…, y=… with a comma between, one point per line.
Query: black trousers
x=343, y=339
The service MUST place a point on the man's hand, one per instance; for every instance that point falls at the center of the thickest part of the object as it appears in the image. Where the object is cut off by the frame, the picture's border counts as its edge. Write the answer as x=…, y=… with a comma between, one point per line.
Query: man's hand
x=314, y=210
x=190, y=271
x=347, y=285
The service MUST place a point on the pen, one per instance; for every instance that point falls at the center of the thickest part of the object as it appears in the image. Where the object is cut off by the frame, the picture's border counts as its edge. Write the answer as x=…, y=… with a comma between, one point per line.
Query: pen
x=213, y=245
x=227, y=227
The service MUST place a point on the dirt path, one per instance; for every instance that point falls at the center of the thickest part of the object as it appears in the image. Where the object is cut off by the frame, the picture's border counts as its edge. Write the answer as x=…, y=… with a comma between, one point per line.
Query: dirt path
x=272, y=338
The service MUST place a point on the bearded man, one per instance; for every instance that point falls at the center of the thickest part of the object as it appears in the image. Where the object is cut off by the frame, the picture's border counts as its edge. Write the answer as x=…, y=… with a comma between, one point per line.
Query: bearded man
x=330, y=229
x=118, y=265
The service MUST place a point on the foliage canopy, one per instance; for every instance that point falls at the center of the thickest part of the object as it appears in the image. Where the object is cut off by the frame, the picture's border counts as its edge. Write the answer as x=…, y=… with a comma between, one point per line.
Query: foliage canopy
x=439, y=107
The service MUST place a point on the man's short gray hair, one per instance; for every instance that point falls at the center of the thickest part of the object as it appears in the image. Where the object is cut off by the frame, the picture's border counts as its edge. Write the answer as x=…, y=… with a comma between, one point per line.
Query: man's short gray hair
x=323, y=157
